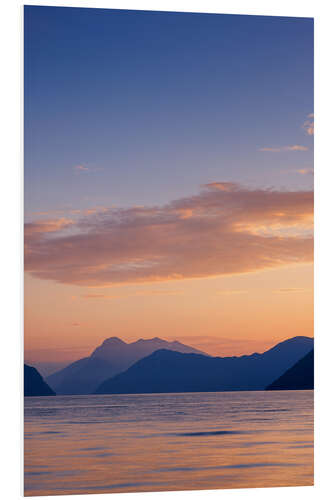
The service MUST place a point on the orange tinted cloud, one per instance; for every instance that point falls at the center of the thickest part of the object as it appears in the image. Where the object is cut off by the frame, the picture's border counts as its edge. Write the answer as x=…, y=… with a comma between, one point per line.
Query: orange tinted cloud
x=147, y=244
x=271, y=150
x=295, y=147
x=308, y=125
x=83, y=168
x=141, y=293
x=305, y=171
x=46, y=226
x=80, y=168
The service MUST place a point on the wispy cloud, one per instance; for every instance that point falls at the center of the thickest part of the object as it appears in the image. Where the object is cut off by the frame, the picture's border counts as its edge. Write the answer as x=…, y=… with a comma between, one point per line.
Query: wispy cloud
x=270, y=150
x=149, y=293
x=308, y=125
x=294, y=147
x=290, y=290
x=83, y=168
x=305, y=171
x=231, y=292
x=150, y=244
x=101, y=296
x=46, y=226
x=80, y=168
x=141, y=293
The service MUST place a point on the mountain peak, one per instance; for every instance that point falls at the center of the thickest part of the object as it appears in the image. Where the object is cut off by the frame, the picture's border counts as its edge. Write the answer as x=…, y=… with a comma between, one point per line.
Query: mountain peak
x=111, y=357
x=113, y=340
x=109, y=345
x=155, y=339
x=293, y=341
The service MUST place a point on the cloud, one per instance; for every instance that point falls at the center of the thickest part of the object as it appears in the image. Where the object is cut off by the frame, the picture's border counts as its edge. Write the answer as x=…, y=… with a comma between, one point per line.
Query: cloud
x=101, y=296
x=152, y=244
x=46, y=226
x=83, y=168
x=146, y=293
x=141, y=293
x=305, y=171
x=290, y=290
x=271, y=150
x=80, y=168
x=231, y=292
x=308, y=125
x=295, y=147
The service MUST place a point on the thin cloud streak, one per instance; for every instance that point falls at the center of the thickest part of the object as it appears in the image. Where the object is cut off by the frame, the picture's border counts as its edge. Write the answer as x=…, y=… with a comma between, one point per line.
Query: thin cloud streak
x=142, y=293
x=152, y=244
x=295, y=147
x=83, y=168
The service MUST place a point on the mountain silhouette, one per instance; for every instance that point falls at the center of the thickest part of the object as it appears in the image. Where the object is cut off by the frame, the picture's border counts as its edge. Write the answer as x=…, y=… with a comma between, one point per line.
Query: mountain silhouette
x=167, y=371
x=299, y=377
x=34, y=384
x=110, y=358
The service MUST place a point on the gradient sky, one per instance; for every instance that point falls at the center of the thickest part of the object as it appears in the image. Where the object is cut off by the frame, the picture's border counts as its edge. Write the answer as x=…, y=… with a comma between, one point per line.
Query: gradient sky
x=168, y=179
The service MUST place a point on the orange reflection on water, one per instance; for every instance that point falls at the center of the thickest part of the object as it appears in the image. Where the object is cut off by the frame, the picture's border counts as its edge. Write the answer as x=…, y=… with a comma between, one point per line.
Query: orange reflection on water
x=164, y=442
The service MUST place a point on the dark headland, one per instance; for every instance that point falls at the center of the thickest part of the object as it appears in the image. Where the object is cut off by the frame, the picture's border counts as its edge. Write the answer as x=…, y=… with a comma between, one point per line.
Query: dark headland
x=34, y=384
x=299, y=377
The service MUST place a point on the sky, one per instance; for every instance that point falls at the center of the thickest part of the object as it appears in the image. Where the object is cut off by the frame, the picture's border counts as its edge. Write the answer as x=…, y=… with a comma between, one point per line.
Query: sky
x=168, y=180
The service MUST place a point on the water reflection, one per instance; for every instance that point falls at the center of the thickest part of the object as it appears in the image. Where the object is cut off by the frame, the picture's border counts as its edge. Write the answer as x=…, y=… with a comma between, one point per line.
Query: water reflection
x=87, y=444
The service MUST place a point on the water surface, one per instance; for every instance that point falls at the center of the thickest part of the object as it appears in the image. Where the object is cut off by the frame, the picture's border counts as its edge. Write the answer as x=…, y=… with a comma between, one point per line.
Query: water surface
x=163, y=442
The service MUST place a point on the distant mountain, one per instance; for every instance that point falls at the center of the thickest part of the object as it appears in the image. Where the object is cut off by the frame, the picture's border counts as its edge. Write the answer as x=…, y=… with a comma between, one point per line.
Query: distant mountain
x=299, y=377
x=34, y=384
x=167, y=371
x=110, y=358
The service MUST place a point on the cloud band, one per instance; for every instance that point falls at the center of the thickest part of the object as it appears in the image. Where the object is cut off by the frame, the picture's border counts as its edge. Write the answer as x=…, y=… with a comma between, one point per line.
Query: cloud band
x=212, y=233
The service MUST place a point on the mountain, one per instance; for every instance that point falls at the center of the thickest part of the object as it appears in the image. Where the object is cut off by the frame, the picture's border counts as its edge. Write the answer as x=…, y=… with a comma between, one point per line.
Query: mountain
x=299, y=377
x=34, y=384
x=110, y=358
x=167, y=371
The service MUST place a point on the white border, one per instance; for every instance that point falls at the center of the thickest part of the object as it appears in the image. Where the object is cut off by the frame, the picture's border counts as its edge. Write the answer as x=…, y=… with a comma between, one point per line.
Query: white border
x=11, y=288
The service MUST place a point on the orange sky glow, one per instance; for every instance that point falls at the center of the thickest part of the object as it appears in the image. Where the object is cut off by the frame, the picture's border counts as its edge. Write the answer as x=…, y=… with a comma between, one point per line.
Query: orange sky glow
x=228, y=270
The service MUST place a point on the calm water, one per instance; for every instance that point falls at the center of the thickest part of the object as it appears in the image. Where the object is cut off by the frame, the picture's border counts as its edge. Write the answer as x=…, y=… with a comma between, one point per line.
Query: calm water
x=115, y=443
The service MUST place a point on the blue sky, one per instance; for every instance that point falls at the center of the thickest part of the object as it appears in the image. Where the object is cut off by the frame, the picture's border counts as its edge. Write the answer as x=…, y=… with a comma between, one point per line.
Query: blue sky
x=153, y=105
x=168, y=172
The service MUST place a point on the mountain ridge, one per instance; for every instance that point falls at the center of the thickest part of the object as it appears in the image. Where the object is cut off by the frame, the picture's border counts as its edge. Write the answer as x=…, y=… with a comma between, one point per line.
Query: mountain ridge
x=167, y=371
x=111, y=357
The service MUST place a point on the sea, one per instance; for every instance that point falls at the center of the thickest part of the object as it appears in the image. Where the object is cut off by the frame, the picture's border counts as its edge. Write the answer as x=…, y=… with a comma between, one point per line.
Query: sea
x=166, y=442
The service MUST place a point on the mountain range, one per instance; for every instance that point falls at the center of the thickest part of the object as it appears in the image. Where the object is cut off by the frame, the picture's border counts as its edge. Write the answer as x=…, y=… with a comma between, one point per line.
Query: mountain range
x=167, y=371
x=34, y=384
x=110, y=358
